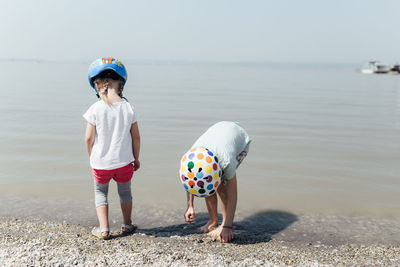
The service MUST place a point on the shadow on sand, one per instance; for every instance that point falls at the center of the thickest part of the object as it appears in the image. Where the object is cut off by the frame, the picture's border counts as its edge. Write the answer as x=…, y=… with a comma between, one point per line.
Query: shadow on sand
x=256, y=228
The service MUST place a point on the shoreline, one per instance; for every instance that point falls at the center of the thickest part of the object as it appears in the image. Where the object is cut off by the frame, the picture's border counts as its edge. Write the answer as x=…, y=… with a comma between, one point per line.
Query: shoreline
x=265, y=238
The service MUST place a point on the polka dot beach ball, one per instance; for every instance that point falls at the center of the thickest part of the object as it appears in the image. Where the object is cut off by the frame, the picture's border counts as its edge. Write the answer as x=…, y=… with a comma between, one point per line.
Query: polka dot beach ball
x=200, y=172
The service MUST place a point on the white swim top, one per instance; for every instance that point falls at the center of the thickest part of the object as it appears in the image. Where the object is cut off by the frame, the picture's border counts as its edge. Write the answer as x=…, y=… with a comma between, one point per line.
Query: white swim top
x=227, y=140
x=112, y=147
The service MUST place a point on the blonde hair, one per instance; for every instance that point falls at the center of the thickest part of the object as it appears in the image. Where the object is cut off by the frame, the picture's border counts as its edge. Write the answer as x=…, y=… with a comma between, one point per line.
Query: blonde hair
x=103, y=92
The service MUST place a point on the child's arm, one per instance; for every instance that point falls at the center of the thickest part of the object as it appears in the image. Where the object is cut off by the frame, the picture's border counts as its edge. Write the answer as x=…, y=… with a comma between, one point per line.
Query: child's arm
x=135, y=145
x=189, y=214
x=89, y=137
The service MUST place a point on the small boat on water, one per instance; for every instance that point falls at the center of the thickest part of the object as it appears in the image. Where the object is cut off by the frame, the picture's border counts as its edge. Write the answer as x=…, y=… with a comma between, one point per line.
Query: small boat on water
x=376, y=67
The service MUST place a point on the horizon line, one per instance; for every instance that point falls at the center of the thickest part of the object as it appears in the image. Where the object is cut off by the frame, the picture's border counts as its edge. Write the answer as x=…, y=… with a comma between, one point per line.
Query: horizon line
x=187, y=61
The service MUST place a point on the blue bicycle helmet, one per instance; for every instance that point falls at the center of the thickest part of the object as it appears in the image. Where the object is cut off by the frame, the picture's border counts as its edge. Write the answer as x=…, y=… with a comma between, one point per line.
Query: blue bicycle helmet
x=103, y=64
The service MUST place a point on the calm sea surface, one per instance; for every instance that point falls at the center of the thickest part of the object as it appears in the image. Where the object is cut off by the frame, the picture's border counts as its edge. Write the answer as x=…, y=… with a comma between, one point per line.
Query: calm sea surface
x=325, y=139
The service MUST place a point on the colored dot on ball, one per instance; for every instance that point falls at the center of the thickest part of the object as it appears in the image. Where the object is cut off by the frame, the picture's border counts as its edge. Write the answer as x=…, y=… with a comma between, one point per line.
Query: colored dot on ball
x=193, y=191
x=199, y=165
x=202, y=191
x=201, y=149
x=183, y=168
x=190, y=175
x=215, y=176
x=191, y=183
x=210, y=153
x=215, y=166
x=208, y=169
x=210, y=186
x=184, y=158
x=208, y=159
x=193, y=149
x=209, y=179
x=200, y=183
x=191, y=155
x=211, y=192
x=216, y=159
x=199, y=175
x=190, y=165
x=183, y=177
x=200, y=156
x=216, y=184
x=185, y=186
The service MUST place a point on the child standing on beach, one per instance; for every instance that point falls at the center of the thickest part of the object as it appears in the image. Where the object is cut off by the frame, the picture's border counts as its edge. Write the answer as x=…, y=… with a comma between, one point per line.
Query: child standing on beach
x=112, y=140
x=209, y=167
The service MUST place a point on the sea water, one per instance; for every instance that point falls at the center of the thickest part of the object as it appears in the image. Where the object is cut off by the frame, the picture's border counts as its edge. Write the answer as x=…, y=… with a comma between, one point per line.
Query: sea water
x=325, y=139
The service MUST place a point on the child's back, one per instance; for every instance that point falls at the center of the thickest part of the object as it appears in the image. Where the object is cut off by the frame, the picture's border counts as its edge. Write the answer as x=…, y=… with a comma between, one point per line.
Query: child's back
x=113, y=123
x=226, y=139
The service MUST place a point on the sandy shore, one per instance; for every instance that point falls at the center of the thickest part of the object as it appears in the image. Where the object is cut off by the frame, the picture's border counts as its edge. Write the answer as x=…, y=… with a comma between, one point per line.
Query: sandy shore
x=268, y=238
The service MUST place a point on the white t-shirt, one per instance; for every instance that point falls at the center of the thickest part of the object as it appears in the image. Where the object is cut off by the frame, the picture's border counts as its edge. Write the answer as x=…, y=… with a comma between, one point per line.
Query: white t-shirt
x=227, y=140
x=112, y=147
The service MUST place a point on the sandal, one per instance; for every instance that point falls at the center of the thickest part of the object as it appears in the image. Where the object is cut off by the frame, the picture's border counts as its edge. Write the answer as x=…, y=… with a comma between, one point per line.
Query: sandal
x=128, y=229
x=97, y=232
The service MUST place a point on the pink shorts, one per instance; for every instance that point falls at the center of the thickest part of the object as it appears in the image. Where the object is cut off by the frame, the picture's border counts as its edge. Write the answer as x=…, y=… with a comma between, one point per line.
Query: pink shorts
x=120, y=175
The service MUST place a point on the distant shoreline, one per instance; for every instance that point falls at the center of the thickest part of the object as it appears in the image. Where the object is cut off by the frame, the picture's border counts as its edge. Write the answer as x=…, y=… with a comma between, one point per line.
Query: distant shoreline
x=196, y=62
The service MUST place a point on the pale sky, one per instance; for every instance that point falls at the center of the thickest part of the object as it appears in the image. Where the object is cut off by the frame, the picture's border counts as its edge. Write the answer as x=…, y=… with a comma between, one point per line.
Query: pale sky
x=340, y=31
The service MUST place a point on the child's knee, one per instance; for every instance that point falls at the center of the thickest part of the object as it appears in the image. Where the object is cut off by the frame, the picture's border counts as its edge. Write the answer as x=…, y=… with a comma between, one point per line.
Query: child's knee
x=101, y=202
x=100, y=194
x=125, y=198
x=124, y=192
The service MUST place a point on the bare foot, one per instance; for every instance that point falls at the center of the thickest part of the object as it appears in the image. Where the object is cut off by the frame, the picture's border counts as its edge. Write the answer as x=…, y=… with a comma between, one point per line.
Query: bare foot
x=208, y=227
x=224, y=235
x=216, y=232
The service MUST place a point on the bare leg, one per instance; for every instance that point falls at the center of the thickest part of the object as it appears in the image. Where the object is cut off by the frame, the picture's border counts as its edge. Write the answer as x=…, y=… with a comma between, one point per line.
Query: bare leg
x=126, y=212
x=102, y=215
x=212, y=207
x=228, y=196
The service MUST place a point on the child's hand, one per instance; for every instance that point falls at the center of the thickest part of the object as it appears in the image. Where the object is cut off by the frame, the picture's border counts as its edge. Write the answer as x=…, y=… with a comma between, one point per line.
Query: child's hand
x=189, y=215
x=226, y=235
x=136, y=165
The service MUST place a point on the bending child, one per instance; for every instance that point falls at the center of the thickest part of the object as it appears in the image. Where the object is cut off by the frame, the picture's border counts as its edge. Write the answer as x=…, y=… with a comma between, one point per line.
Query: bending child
x=209, y=167
x=112, y=140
